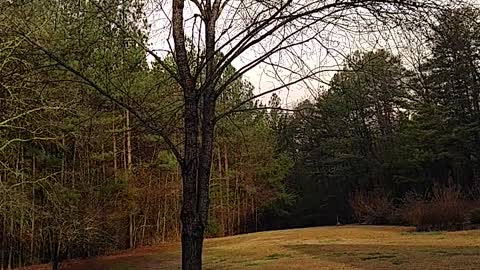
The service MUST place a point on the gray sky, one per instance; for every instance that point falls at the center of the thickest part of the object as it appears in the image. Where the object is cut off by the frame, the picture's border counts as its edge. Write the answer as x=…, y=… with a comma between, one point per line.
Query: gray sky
x=312, y=57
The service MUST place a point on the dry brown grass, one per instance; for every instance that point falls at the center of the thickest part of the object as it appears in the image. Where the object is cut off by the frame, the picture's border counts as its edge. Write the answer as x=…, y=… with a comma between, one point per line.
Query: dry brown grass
x=346, y=247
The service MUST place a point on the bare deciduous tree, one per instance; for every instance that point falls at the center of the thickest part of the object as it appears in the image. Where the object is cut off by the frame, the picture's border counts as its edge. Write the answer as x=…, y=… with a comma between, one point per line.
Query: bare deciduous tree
x=205, y=37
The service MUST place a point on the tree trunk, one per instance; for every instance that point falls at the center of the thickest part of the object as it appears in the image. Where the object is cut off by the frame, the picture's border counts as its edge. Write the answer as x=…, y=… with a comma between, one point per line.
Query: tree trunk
x=227, y=192
x=2, y=256
x=192, y=227
x=196, y=163
x=165, y=207
x=196, y=175
x=128, y=167
x=220, y=177
x=144, y=226
x=56, y=261
x=4, y=238
x=237, y=204
x=115, y=166
x=32, y=240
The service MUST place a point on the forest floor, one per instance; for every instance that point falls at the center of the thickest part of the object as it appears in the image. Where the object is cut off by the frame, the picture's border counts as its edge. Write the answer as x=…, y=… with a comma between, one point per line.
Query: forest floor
x=343, y=247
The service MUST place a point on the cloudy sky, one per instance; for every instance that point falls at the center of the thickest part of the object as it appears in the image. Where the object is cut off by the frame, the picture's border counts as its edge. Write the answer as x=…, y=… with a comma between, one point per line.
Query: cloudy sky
x=328, y=58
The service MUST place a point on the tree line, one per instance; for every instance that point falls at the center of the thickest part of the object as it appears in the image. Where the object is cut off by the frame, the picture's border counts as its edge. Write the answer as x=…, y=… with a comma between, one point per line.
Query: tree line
x=384, y=132
x=108, y=144
x=81, y=175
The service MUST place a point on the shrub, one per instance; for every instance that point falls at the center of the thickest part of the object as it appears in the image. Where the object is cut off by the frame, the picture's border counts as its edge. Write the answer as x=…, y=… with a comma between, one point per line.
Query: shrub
x=443, y=209
x=475, y=216
x=413, y=209
x=372, y=207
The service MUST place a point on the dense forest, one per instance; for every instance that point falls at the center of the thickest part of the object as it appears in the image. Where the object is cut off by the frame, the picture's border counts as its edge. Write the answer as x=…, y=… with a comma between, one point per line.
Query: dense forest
x=385, y=134
x=82, y=173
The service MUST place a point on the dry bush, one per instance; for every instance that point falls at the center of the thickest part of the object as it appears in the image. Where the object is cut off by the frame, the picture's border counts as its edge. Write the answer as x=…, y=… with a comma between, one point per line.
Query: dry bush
x=373, y=207
x=445, y=208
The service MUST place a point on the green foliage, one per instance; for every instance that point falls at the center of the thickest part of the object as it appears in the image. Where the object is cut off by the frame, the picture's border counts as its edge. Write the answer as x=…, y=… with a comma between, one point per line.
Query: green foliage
x=380, y=126
x=345, y=139
x=167, y=160
x=213, y=229
x=80, y=175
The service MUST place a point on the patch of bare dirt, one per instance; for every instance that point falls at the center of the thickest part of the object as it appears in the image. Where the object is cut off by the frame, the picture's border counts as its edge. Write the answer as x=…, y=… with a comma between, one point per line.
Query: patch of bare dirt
x=134, y=256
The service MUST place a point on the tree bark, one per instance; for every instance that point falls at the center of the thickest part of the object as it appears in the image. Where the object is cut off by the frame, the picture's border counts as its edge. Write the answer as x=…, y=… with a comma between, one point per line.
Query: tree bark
x=196, y=176
x=127, y=154
x=115, y=166
x=192, y=227
x=220, y=177
x=227, y=192
x=198, y=134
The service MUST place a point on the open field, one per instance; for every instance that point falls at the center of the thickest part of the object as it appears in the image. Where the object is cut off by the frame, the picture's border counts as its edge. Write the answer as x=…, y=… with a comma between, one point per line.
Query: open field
x=346, y=247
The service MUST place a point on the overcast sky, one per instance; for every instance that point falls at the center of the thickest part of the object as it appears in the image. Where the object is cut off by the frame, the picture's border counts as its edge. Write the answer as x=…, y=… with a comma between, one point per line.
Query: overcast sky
x=263, y=76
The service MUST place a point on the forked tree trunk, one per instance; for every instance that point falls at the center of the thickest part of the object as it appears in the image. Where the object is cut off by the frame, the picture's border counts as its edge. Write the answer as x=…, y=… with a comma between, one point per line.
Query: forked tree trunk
x=199, y=132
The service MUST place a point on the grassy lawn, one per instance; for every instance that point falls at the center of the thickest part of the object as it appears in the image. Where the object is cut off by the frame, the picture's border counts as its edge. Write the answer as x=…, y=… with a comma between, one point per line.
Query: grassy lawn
x=347, y=247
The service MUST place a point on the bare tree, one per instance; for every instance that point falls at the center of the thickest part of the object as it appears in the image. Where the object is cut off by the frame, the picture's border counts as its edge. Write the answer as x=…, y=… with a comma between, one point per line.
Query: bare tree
x=297, y=39
x=274, y=31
